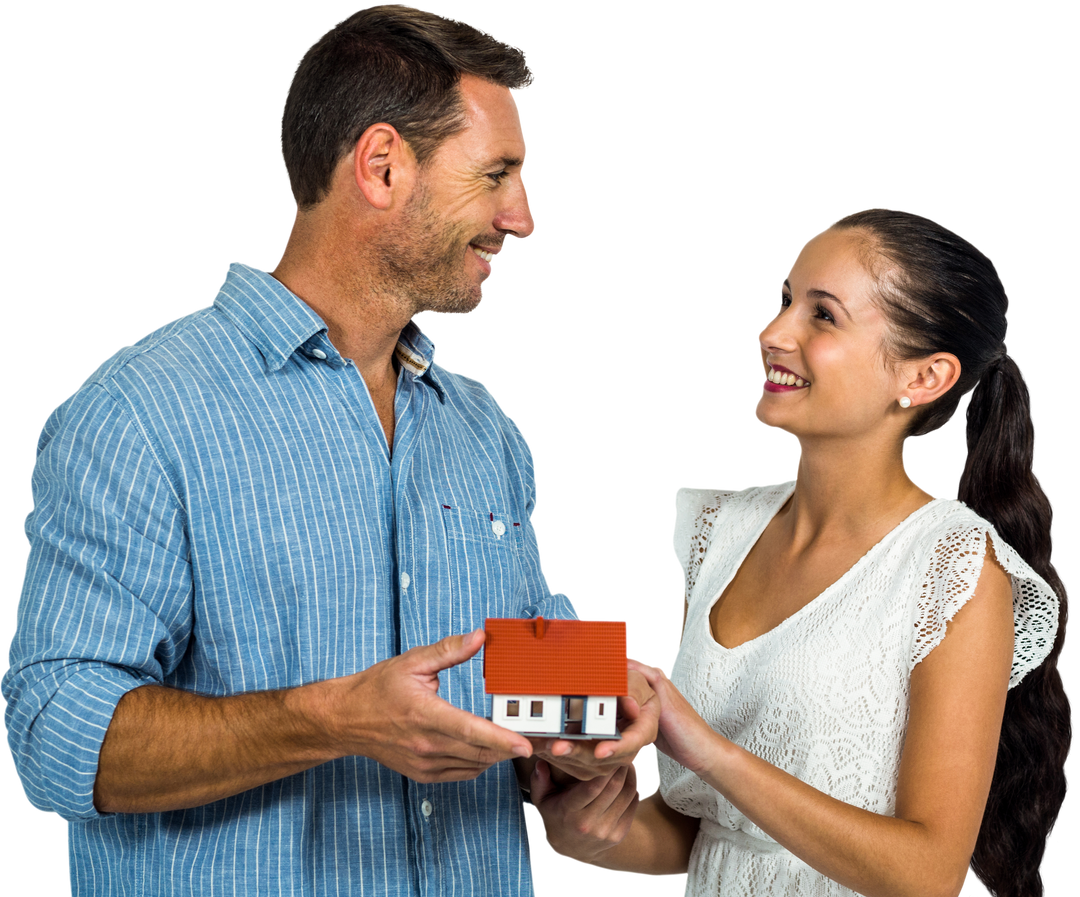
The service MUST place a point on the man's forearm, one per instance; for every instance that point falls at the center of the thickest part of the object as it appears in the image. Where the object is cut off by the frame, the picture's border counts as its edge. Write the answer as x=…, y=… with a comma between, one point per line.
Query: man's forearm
x=168, y=750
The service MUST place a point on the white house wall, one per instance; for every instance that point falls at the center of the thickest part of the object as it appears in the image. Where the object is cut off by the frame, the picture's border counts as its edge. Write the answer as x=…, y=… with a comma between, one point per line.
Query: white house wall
x=549, y=721
x=595, y=723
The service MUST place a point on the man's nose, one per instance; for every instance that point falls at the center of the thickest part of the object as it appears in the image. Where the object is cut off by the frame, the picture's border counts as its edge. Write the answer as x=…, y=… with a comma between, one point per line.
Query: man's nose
x=516, y=218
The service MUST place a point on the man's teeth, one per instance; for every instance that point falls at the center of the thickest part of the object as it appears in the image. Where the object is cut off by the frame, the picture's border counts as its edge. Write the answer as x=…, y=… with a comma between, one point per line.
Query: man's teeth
x=486, y=256
x=785, y=379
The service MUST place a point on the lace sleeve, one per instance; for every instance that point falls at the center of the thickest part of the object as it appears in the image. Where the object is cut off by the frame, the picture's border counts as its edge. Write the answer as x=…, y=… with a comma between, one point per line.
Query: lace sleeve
x=694, y=518
x=950, y=582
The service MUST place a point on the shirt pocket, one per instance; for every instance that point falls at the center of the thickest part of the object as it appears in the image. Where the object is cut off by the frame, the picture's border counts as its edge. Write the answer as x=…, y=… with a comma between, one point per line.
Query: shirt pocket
x=486, y=571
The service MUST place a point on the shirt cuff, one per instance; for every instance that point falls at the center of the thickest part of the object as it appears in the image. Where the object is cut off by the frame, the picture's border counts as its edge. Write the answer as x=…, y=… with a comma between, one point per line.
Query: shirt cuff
x=58, y=757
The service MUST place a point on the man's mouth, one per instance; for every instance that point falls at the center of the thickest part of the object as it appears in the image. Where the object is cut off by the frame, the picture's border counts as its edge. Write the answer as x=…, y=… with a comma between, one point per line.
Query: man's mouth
x=483, y=253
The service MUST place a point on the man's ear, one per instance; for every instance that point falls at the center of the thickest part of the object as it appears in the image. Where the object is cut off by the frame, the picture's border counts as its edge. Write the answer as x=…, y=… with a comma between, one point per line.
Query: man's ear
x=383, y=166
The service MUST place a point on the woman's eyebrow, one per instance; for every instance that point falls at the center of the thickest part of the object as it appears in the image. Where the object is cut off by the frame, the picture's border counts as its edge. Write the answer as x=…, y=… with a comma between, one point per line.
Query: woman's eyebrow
x=822, y=294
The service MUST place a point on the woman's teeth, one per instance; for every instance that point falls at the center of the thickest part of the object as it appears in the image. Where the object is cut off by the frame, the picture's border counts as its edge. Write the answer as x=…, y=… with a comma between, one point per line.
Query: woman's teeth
x=785, y=379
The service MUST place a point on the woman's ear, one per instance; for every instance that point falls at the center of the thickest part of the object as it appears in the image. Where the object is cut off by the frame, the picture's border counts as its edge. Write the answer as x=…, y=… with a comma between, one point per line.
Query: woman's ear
x=930, y=378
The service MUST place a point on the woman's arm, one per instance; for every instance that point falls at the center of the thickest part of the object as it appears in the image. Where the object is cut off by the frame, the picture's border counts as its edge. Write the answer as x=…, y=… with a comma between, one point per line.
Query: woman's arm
x=602, y=822
x=956, y=705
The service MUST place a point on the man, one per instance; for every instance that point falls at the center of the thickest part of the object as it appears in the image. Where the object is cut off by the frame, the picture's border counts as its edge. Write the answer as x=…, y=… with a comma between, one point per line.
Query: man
x=264, y=537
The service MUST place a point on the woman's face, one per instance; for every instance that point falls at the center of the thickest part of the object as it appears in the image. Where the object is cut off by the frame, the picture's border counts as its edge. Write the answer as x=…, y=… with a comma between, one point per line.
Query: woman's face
x=827, y=374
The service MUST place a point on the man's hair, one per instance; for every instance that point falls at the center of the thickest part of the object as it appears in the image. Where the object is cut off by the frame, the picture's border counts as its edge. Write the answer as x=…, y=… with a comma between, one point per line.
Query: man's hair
x=388, y=64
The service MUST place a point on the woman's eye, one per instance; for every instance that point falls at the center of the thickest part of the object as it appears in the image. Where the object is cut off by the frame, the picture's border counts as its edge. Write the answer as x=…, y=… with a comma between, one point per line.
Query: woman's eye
x=820, y=311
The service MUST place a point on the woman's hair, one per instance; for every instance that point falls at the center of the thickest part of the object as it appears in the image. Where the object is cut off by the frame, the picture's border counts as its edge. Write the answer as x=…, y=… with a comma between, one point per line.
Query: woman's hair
x=941, y=294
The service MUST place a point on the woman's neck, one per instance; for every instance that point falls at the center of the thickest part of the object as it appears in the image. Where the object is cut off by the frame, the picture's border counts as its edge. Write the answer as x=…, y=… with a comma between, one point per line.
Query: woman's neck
x=843, y=491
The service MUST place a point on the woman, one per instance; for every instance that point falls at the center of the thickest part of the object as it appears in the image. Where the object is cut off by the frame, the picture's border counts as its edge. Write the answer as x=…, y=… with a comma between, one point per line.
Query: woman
x=849, y=641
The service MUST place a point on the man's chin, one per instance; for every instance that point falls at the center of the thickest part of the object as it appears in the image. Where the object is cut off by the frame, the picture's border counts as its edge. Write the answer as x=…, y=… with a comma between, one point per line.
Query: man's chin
x=457, y=309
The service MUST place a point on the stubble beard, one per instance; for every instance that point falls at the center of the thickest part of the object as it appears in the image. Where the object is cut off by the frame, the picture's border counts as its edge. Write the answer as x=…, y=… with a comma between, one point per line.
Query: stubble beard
x=422, y=260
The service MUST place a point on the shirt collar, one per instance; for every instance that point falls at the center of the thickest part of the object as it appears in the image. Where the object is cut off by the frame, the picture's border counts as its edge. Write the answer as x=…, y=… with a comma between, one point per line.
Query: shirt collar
x=279, y=323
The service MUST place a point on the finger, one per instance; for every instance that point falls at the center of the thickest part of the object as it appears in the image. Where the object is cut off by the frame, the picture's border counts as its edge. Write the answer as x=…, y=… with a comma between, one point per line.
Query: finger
x=447, y=652
x=595, y=794
x=630, y=707
x=640, y=732
x=560, y=747
x=540, y=783
x=487, y=736
x=652, y=674
x=628, y=800
x=624, y=801
x=471, y=733
x=617, y=795
x=564, y=754
x=574, y=751
x=640, y=690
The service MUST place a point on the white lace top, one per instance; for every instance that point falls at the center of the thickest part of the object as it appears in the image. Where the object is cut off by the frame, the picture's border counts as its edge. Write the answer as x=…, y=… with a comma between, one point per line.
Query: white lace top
x=824, y=695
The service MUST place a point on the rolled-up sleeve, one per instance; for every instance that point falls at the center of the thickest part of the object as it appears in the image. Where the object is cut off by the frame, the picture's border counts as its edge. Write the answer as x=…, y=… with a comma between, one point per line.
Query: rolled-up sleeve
x=106, y=604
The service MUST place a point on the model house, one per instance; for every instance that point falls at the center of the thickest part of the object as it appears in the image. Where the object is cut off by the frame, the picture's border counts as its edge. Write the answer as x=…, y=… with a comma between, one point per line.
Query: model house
x=555, y=677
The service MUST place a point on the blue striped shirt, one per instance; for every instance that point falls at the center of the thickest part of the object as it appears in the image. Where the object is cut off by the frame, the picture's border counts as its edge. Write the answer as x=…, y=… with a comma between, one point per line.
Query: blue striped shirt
x=216, y=510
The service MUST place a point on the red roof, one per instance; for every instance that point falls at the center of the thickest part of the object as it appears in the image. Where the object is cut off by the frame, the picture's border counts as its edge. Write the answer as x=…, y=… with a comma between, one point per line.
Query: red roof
x=554, y=657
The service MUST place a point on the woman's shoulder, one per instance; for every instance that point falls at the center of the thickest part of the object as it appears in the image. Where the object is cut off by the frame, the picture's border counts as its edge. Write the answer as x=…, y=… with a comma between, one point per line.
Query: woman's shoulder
x=944, y=532
x=697, y=511
x=957, y=541
x=693, y=502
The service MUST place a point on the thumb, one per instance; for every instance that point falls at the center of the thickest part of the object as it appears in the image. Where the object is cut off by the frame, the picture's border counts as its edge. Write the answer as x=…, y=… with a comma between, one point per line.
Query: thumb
x=448, y=652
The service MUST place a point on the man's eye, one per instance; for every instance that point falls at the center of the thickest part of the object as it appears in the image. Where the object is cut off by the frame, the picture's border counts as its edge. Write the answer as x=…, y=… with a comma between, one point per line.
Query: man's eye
x=499, y=176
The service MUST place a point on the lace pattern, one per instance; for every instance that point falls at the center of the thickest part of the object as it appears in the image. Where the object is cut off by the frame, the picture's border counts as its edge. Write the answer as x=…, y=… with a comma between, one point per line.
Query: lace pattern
x=824, y=695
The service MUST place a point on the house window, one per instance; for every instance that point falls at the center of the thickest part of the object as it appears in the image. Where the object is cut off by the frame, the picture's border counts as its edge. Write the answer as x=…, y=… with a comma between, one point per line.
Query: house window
x=537, y=709
x=513, y=707
x=600, y=712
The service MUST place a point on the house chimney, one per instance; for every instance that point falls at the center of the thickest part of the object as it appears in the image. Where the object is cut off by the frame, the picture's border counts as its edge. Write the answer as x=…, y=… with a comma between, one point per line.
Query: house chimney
x=539, y=627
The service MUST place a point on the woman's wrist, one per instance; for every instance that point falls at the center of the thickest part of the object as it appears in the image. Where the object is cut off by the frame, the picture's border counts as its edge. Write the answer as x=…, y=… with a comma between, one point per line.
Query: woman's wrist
x=717, y=760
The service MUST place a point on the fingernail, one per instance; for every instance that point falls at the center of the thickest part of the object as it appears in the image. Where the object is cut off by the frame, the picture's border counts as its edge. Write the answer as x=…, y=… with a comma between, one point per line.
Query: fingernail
x=522, y=751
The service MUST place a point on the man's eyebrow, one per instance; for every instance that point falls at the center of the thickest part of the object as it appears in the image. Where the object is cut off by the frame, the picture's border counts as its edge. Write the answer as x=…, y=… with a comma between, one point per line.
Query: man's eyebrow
x=823, y=294
x=504, y=162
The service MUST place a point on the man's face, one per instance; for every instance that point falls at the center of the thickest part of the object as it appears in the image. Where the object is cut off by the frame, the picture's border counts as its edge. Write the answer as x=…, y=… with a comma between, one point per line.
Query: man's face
x=469, y=197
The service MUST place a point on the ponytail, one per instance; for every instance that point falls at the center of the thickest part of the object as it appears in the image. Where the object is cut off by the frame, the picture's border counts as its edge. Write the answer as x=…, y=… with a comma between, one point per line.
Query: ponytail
x=1029, y=778
x=940, y=294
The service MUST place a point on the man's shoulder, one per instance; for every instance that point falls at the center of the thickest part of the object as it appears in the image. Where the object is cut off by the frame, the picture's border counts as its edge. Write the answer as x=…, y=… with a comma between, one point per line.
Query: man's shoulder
x=472, y=401
x=176, y=345
x=462, y=390
x=150, y=373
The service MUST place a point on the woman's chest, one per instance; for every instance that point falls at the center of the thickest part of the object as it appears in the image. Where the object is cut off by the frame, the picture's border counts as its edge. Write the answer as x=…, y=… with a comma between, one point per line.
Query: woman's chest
x=774, y=582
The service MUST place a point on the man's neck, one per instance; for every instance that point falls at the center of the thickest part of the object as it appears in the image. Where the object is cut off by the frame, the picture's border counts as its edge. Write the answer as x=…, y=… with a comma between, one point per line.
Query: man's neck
x=364, y=319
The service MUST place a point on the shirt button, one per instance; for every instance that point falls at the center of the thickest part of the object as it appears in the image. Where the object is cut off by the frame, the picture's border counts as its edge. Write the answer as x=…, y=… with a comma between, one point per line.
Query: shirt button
x=498, y=527
x=405, y=580
x=426, y=808
x=319, y=353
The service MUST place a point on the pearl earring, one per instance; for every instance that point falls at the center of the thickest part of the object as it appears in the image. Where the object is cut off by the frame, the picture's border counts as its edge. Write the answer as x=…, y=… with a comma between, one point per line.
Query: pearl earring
x=905, y=402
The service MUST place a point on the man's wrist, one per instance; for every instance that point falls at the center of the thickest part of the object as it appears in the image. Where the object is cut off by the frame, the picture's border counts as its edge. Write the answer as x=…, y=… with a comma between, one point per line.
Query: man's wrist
x=312, y=711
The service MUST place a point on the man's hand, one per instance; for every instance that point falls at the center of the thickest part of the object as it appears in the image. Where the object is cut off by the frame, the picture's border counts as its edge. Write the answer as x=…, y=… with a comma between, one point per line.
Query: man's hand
x=392, y=713
x=639, y=716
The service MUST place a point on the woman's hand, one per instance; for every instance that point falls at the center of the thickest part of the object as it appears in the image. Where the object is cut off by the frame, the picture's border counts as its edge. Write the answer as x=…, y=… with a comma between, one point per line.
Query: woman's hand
x=683, y=735
x=638, y=714
x=586, y=818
